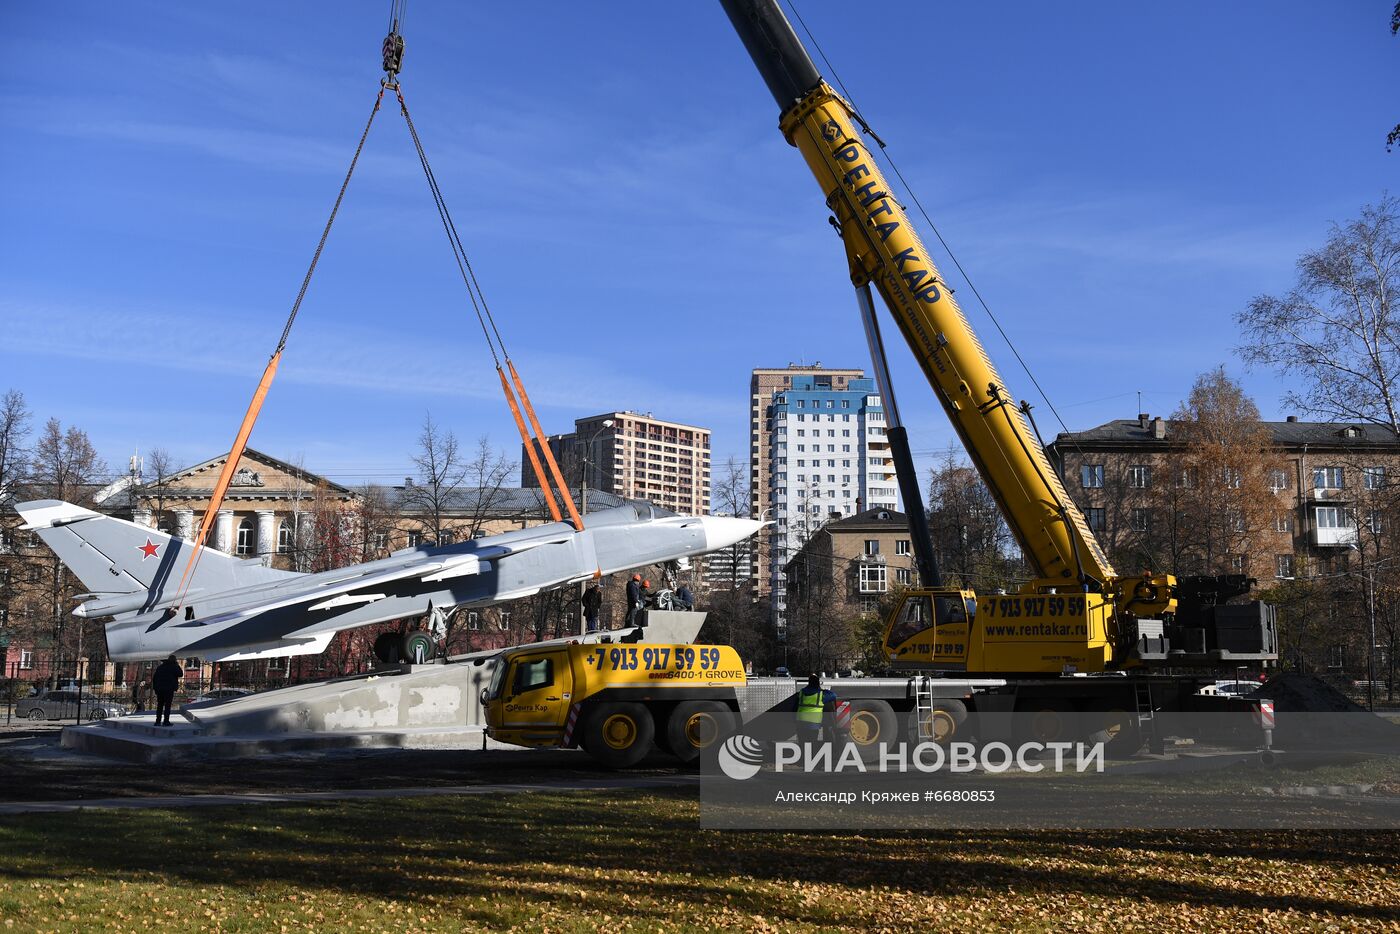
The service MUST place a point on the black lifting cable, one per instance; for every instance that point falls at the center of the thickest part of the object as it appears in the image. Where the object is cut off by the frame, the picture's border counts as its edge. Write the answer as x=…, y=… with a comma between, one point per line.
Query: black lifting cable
x=393, y=62
x=316, y=257
x=459, y=252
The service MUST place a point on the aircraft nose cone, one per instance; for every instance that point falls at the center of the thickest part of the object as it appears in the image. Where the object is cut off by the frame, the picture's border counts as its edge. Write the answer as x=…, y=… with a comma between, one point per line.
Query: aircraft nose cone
x=723, y=531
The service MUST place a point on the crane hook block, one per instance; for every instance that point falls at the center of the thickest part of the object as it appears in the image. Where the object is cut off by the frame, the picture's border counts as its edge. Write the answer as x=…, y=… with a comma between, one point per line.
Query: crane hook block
x=393, y=54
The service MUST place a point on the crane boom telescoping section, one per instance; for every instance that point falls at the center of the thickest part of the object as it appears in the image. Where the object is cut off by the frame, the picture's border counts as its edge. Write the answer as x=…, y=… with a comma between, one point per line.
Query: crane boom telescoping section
x=884, y=250
x=1114, y=623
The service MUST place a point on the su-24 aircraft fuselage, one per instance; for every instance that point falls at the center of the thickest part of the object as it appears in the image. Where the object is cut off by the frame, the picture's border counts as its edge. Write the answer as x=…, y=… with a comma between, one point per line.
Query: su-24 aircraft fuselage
x=235, y=609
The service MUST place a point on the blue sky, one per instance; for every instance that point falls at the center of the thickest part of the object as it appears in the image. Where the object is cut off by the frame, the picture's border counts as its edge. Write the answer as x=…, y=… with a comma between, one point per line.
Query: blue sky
x=1119, y=179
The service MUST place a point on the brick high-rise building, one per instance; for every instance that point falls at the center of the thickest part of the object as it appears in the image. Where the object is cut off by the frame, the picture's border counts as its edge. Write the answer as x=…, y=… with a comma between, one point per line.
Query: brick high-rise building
x=762, y=384
x=636, y=456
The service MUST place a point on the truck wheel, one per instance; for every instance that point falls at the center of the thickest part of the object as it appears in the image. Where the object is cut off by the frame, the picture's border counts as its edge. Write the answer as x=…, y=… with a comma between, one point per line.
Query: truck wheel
x=1045, y=721
x=697, y=725
x=1116, y=727
x=386, y=647
x=940, y=724
x=872, y=722
x=418, y=647
x=619, y=735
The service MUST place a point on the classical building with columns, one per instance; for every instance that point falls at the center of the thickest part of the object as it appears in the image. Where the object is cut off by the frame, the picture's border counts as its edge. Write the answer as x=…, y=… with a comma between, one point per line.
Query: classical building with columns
x=267, y=500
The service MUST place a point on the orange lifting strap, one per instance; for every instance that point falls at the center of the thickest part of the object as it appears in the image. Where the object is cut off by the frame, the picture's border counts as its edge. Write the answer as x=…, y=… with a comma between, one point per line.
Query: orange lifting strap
x=216, y=501
x=530, y=448
x=240, y=443
x=548, y=481
x=544, y=447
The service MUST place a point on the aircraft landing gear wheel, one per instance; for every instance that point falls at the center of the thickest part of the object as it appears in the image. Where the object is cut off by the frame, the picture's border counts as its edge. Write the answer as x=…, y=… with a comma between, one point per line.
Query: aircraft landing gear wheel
x=619, y=735
x=697, y=725
x=418, y=647
x=386, y=647
x=36, y=714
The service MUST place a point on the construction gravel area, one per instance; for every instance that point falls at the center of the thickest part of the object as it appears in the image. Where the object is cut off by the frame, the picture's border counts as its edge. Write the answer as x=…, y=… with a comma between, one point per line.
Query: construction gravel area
x=34, y=767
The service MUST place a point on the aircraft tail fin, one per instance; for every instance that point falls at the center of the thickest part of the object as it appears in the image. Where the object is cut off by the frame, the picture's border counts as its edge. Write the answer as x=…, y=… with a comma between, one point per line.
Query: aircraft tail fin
x=113, y=556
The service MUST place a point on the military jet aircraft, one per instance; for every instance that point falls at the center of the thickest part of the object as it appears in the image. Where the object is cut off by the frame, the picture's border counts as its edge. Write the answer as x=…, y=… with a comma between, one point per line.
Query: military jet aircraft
x=235, y=609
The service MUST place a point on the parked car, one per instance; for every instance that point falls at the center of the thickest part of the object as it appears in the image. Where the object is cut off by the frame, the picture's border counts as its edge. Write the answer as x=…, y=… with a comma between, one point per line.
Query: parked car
x=65, y=705
x=219, y=694
x=1231, y=688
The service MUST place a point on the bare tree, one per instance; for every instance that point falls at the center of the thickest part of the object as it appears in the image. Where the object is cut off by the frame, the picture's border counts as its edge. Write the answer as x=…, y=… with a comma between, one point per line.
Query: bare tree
x=157, y=490
x=14, y=429
x=821, y=635
x=731, y=570
x=972, y=543
x=301, y=551
x=1218, y=505
x=64, y=465
x=1336, y=329
x=373, y=520
x=441, y=473
x=1393, y=136
x=485, y=474
x=734, y=617
x=334, y=541
x=470, y=495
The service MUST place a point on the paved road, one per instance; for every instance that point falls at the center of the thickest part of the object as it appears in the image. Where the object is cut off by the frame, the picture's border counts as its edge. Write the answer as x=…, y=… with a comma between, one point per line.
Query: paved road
x=36, y=770
x=347, y=794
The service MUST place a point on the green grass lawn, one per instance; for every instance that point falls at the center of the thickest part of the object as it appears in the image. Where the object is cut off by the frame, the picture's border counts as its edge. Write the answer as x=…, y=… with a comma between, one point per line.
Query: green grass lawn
x=636, y=861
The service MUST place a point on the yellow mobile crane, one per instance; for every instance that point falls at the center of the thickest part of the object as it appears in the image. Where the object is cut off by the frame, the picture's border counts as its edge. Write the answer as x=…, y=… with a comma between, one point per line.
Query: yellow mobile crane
x=1078, y=639
x=1078, y=614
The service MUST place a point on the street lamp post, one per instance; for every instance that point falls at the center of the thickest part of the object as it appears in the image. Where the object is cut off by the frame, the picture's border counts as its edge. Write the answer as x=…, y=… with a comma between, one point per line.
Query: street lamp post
x=1368, y=576
x=1371, y=640
x=583, y=505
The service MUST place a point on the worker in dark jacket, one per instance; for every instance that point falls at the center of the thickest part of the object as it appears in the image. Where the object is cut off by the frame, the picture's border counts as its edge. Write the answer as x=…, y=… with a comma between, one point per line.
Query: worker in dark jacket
x=812, y=704
x=592, y=601
x=634, y=599
x=166, y=679
x=685, y=600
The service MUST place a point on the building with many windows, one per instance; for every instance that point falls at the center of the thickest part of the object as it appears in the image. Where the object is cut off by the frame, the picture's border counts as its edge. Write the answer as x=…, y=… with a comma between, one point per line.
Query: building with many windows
x=634, y=456
x=828, y=458
x=1318, y=530
x=841, y=573
x=1330, y=483
x=763, y=383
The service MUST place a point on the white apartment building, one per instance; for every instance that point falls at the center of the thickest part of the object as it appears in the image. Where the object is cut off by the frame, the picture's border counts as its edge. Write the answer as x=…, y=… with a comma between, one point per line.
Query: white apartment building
x=828, y=458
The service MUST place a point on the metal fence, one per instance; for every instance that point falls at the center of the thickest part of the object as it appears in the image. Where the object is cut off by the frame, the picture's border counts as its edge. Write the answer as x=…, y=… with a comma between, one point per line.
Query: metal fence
x=29, y=679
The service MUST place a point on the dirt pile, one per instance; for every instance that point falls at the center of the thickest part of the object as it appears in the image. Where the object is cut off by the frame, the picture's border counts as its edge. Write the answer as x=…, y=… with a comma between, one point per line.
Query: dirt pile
x=1313, y=715
x=1295, y=693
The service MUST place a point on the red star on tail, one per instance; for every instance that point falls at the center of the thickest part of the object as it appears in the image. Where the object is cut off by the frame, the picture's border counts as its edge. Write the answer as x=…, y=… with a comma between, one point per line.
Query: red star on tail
x=148, y=550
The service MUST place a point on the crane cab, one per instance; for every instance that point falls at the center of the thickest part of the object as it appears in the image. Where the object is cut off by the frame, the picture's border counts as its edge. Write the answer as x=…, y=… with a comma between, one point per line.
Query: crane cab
x=930, y=628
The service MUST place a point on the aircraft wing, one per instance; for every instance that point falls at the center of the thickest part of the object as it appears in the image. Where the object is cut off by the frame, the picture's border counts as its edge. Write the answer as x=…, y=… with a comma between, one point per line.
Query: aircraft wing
x=289, y=646
x=358, y=589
